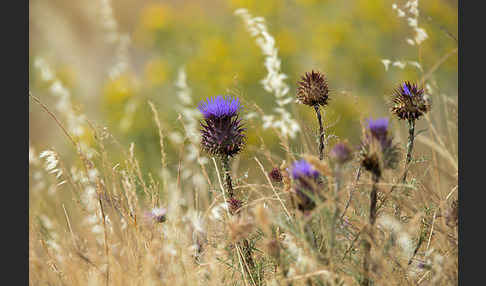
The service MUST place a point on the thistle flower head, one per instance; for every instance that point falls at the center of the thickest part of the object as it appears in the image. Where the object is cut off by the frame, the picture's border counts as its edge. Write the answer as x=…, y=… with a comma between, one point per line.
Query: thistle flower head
x=408, y=101
x=302, y=169
x=222, y=133
x=379, y=129
x=313, y=90
x=341, y=153
x=377, y=148
x=307, y=179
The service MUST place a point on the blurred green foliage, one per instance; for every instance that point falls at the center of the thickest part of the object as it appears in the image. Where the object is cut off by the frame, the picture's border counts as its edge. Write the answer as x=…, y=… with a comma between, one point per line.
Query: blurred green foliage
x=345, y=39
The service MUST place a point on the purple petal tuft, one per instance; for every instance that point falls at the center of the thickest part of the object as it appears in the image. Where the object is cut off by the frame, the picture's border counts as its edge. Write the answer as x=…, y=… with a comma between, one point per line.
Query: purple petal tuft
x=220, y=107
x=303, y=169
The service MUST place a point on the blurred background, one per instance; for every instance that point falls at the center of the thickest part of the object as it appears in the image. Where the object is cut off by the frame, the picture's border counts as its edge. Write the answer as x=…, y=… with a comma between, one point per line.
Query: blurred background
x=103, y=61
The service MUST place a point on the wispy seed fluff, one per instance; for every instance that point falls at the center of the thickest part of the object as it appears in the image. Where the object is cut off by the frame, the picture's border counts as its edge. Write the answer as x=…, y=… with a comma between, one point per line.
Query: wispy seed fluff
x=222, y=133
x=274, y=81
x=408, y=101
x=313, y=90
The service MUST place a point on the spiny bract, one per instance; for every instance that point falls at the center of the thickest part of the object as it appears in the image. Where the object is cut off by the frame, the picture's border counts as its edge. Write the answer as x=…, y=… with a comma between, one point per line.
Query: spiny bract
x=313, y=90
x=222, y=133
x=408, y=101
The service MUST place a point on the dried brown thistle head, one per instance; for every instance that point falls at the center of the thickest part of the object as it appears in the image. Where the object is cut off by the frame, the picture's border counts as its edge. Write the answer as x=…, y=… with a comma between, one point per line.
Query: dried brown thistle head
x=313, y=90
x=408, y=101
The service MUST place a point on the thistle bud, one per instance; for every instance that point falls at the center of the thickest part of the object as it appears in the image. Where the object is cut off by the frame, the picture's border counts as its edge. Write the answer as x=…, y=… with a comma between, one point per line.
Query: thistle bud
x=275, y=175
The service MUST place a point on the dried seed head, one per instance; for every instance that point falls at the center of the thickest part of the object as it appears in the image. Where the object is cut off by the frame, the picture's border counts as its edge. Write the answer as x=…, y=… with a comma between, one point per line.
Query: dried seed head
x=234, y=205
x=275, y=175
x=313, y=90
x=371, y=163
x=222, y=133
x=408, y=101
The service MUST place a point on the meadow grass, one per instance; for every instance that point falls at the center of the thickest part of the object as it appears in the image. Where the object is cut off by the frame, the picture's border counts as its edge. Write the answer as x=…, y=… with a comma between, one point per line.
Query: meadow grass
x=90, y=222
x=99, y=216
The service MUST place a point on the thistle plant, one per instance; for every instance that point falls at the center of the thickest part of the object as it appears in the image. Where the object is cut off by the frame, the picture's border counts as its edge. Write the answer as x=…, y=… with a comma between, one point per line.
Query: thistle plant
x=222, y=133
x=313, y=91
x=307, y=179
x=408, y=103
x=378, y=152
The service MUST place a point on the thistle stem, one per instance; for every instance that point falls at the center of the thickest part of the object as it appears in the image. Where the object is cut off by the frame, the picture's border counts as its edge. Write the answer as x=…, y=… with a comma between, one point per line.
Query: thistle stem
x=373, y=200
x=366, y=263
x=321, y=133
x=367, y=245
x=227, y=177
x=411, y=138
x=244, y=244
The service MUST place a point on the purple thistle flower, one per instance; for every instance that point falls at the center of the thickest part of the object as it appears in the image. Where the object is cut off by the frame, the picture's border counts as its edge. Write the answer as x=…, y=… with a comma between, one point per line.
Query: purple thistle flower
x=378, y=127
x=307, y=179
x=341, y=152
x=220, y=107
x=221, y=131
x=302, y=169
x=378, y=130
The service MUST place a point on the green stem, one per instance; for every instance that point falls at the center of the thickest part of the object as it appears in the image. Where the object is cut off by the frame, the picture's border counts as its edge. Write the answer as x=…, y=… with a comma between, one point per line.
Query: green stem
x=411, y=138
x=227, y=177
x=244, y=244
x=321, y=133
